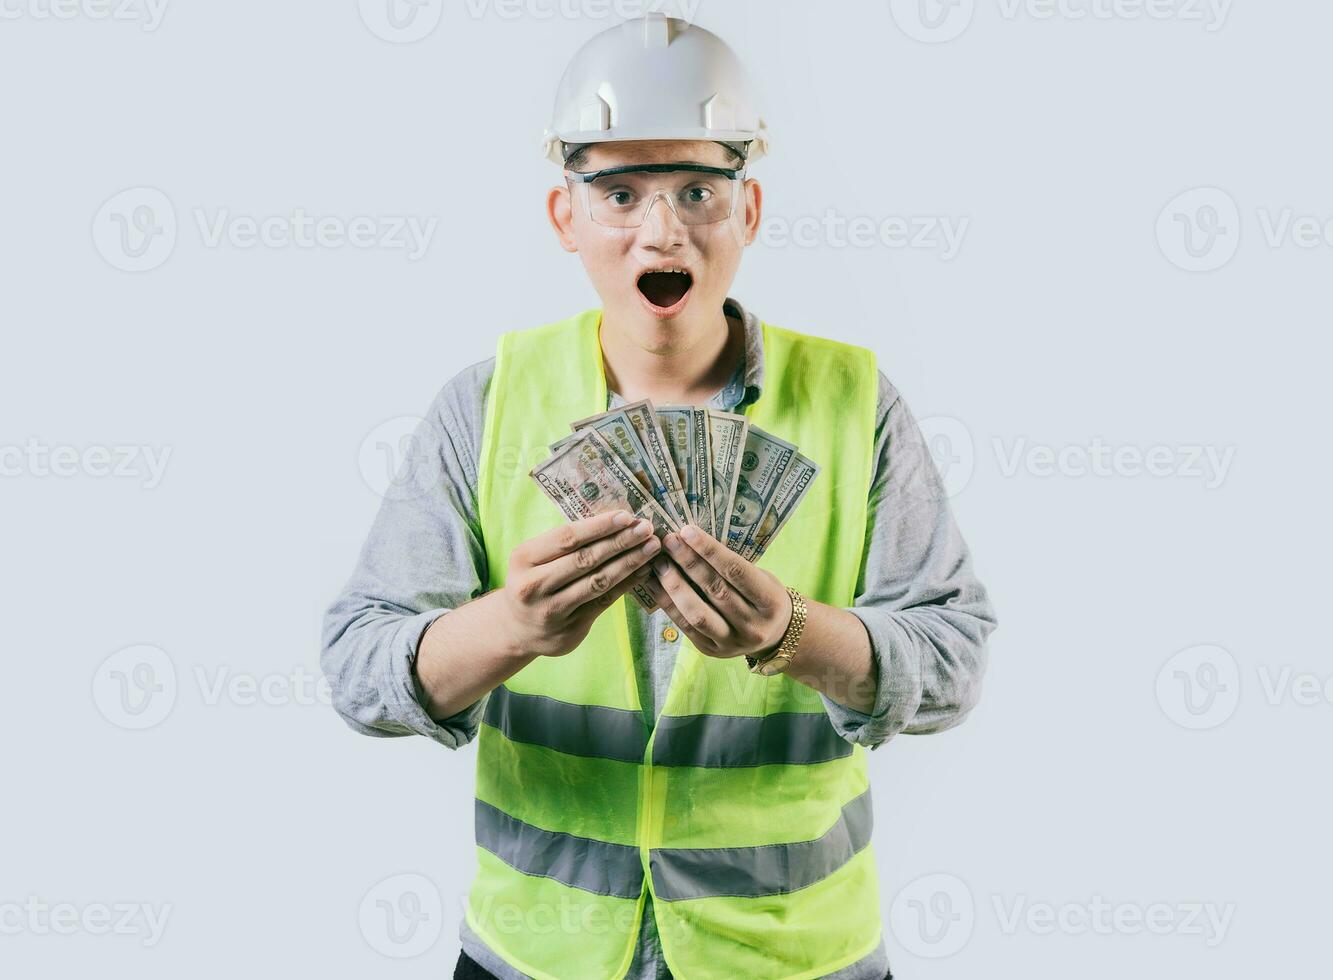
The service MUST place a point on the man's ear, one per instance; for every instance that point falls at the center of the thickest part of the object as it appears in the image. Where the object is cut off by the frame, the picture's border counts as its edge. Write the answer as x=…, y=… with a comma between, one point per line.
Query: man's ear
x=754, y=209
x=558, y=209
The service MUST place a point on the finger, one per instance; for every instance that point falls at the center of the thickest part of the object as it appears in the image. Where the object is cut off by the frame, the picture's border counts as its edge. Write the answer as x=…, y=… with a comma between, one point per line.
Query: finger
x=697, y=613
x=711, y=582
x=597, y=583
x=703, y=643
x=556, y=574
x=742, y=575
x=570, y=537
x=608, y=599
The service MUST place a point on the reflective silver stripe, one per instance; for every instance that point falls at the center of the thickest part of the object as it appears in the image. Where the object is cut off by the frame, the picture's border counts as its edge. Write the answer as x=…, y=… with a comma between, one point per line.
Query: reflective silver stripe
x=580, y=862
x=770, y=869
x=793, y=737
x=579, y=729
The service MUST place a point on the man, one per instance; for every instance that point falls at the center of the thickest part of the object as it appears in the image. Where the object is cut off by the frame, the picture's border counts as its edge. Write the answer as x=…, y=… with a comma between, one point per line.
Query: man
x=646, y=806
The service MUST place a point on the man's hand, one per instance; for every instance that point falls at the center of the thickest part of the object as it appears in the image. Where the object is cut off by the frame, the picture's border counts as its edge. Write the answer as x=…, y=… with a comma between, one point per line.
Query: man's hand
x=727, y=606
x=559, y=582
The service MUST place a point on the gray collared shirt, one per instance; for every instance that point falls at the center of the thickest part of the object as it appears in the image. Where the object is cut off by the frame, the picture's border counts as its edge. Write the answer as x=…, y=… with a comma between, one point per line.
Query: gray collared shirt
x=926, y=614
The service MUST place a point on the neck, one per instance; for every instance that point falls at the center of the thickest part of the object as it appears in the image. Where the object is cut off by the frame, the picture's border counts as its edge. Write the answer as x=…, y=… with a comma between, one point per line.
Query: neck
x=670, y=369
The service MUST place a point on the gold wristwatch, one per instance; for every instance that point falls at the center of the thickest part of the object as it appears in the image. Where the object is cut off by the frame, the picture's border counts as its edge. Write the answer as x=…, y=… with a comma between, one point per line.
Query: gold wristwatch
x=780, y=659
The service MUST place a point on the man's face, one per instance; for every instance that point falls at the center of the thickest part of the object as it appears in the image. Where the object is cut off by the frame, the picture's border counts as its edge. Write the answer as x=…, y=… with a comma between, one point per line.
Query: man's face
x=665, y=314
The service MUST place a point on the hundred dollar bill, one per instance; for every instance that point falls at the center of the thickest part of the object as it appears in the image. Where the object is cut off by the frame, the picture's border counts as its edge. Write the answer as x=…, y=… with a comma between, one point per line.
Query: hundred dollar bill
x=727, y=433
x=644, y=419
x=619, y=432
x=795, y=484
x=587, y=477
x=561, y=443
x=686, y=431
x=763, y=465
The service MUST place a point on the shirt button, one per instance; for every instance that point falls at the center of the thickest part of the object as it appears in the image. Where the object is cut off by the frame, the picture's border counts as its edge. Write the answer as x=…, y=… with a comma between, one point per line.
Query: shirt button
x=670, y=634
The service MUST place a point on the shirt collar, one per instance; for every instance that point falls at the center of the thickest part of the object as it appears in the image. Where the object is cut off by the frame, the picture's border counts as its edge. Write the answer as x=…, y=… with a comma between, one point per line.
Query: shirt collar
x=748, y=382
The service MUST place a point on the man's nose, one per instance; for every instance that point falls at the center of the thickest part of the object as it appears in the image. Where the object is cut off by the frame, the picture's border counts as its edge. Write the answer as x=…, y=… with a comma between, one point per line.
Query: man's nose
x=661, y=227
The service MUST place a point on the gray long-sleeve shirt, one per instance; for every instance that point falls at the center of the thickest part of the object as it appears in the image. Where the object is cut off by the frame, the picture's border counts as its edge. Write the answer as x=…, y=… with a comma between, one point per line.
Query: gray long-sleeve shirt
x=926, y=614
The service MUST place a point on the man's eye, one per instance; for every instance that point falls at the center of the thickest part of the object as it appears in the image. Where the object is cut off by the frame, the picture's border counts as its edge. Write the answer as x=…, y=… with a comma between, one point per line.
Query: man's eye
x=698, y=195
x=620, y=199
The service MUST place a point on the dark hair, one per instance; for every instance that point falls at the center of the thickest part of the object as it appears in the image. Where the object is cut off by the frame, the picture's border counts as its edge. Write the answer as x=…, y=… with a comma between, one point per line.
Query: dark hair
x=579, y=155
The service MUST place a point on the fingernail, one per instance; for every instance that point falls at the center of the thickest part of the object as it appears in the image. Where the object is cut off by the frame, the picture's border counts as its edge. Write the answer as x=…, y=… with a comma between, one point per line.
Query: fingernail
x=650, y=546
x=673, y=542
x=660, y=566
x=623, y=518
x=642, y=528
x=691, y=533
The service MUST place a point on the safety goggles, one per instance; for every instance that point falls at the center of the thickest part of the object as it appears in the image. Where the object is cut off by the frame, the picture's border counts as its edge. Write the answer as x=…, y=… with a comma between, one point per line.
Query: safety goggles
x=621, y=197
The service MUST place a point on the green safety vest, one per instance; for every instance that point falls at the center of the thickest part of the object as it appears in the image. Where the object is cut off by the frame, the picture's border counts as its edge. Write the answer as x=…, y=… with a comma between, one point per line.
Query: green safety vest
x=742, y=811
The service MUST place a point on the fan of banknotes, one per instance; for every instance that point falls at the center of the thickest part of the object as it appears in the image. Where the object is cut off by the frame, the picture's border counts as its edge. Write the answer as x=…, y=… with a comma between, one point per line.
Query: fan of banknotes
x=677, y=465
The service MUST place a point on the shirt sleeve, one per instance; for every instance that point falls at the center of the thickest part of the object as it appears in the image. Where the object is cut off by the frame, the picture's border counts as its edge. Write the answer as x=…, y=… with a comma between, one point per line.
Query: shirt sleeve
x=424, y=557
x=926, y=613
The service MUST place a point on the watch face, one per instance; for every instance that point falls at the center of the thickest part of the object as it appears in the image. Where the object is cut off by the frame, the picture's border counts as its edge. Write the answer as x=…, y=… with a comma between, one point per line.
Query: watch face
x=774, y=665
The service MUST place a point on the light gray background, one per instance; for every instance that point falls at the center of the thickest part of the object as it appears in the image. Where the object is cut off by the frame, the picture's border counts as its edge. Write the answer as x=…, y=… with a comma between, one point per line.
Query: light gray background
x=1129, y=744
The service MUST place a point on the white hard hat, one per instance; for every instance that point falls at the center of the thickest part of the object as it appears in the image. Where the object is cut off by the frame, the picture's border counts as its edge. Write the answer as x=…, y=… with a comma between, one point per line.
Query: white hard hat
x=655, y=78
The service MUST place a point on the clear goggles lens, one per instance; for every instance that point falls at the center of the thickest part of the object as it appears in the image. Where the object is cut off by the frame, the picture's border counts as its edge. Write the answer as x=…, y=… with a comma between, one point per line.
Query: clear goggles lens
x=623, y=199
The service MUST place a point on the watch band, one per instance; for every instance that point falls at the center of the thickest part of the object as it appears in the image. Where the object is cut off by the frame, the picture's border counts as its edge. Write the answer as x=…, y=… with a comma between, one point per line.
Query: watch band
x=781, y=659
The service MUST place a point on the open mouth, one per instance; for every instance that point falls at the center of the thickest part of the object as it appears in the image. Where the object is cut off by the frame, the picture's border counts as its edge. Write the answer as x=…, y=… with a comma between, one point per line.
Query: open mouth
x=665, y=290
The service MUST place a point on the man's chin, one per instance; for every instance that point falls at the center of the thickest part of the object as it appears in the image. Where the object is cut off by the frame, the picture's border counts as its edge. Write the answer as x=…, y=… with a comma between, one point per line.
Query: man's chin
x=666, y=335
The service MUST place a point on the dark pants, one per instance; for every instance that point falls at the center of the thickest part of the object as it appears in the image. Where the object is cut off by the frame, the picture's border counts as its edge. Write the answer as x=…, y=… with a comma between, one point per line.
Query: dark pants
x=469, y=969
